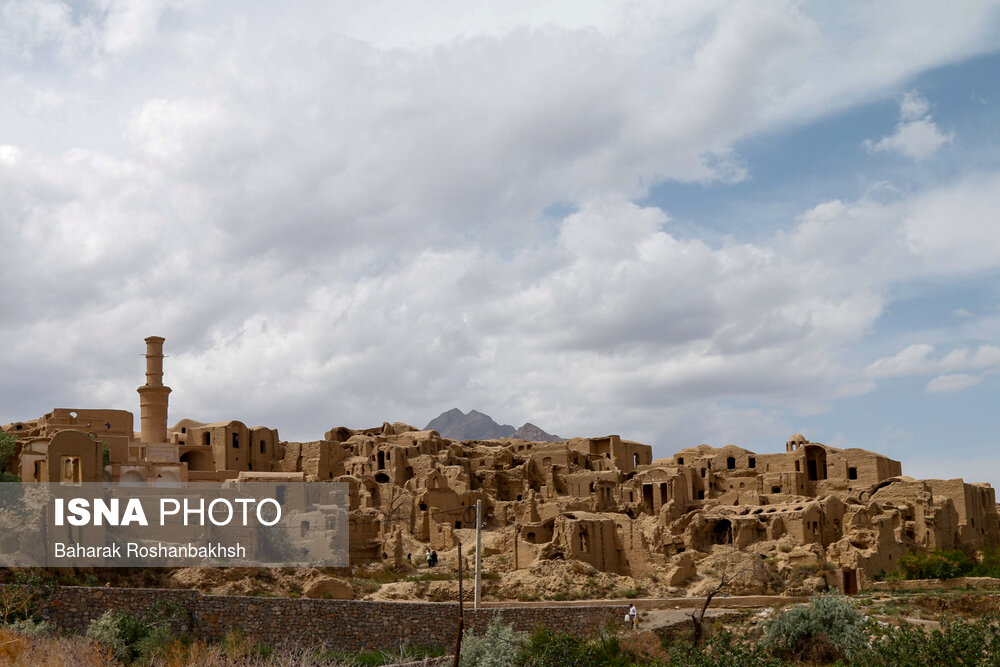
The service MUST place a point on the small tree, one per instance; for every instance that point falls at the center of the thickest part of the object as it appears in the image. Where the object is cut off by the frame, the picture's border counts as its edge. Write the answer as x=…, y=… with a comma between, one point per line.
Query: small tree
x=105, y=450
x=730, y=572
x=19, y=599
x=8, y=445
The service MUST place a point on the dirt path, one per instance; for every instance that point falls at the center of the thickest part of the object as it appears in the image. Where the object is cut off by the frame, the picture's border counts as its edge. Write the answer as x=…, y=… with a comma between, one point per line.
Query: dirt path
x=650, y=604
x=665, y=618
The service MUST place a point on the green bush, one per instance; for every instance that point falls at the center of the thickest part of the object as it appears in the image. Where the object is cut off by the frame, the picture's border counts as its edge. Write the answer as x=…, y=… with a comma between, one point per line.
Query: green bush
x=499, y=647
x=553, y=649
x=959, y=642
x=133, y=637
x=724, y=649
x=989, y=563
x=938, y=564
x=31, y=627
x=825, y=629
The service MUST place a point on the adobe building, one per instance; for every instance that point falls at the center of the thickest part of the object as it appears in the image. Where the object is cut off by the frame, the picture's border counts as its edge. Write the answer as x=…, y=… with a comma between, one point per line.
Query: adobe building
x=602, y=501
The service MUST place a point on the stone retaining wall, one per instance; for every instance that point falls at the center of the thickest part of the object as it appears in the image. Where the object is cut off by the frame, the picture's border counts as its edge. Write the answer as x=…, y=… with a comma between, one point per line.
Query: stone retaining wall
x=977, y=583
x=347, y=625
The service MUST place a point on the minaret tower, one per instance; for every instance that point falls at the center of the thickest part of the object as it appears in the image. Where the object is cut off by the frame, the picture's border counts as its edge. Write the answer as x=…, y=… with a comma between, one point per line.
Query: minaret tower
x=153, y=395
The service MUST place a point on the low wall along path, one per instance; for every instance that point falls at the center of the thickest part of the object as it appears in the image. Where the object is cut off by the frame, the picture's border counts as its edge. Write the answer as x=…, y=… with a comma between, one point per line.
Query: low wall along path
x=348, y=625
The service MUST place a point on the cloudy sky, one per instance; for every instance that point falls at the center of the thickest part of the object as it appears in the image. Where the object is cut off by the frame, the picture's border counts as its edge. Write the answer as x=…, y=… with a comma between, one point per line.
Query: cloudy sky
x=683, y=222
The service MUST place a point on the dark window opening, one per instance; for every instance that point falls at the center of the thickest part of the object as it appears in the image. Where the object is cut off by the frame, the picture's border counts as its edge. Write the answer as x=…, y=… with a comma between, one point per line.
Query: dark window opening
x=263, y=446
x=184, y=429
x=722, y=532
x=730, y=463
x=852, y=473
x=207, y=439
x=236, y=440
x=680, y=460
x=701, y=495
x=423, y=507
x=458, y=524
x=775, y=489
x=382, y=478
x=752, y=462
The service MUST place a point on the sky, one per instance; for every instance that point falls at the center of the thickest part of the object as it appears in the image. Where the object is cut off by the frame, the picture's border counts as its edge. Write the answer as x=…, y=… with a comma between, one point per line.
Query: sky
x=688, y=222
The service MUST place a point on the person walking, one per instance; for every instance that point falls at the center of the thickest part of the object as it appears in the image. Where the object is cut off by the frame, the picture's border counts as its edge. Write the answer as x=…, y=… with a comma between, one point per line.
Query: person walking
x=634, y=614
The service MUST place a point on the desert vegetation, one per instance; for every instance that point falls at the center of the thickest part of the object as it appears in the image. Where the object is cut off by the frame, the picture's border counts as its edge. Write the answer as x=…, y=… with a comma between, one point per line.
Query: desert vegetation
x=920, y=627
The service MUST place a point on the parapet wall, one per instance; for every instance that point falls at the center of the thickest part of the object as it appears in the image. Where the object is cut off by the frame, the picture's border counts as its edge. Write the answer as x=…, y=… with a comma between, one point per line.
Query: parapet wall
x=348, y=625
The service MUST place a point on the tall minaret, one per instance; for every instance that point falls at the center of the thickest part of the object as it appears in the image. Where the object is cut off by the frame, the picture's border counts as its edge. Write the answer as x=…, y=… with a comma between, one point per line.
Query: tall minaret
x=153, y=395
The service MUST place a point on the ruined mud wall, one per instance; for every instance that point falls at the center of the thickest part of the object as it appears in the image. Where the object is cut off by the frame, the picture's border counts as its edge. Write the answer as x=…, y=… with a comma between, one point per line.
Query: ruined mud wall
x=347, y=625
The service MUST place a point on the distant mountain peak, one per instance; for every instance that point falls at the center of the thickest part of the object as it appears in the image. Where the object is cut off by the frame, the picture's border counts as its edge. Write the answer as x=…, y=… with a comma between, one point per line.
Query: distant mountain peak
x=476, y=425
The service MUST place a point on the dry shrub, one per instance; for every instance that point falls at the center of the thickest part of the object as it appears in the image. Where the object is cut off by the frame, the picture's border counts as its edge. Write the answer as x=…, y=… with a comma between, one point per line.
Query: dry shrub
x=179, y=654
x=644, y=647
x=11, y=646
x=22, y=651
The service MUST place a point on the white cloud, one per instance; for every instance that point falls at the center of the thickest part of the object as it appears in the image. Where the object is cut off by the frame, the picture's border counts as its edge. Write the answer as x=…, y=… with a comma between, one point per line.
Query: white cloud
x=9, y=154
x=916, y=360
x=917, y=136
x=913, y=106
x=953, y=230
x=351, y=226
x=912, y=360
x=949, y=383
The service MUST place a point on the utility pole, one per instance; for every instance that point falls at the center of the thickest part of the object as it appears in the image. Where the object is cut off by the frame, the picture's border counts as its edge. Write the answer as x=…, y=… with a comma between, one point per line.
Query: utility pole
x=479, y=551
x=461, y=609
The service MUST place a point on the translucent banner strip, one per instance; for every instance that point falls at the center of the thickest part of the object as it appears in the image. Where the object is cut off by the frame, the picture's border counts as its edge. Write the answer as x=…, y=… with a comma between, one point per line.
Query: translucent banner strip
x=228, y=524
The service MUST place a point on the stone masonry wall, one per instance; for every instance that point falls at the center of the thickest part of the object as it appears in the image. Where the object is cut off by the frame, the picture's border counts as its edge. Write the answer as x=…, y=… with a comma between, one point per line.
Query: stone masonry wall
x=347, y=625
